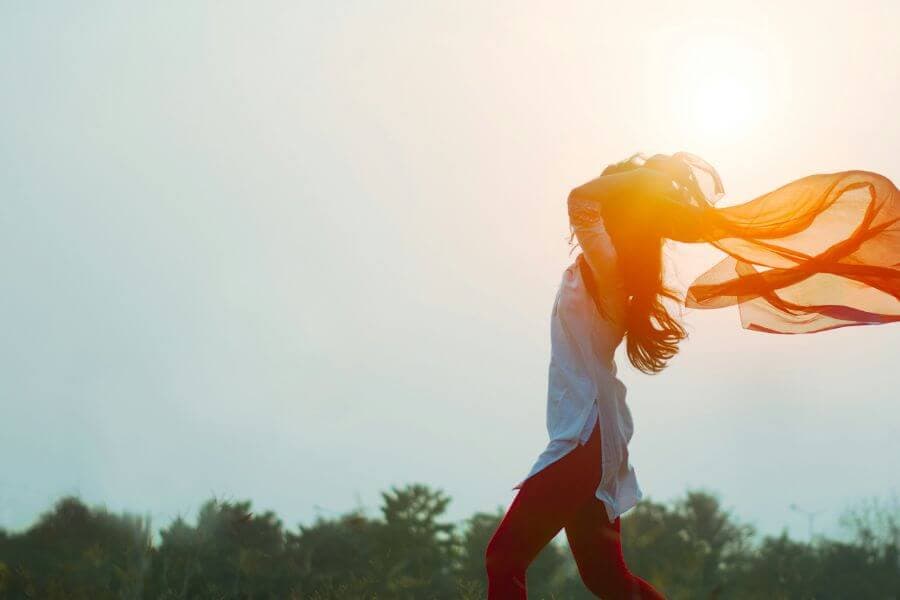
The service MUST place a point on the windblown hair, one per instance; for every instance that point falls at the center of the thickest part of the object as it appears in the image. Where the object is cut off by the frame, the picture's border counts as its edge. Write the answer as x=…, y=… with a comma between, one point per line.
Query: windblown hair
x=652, y=333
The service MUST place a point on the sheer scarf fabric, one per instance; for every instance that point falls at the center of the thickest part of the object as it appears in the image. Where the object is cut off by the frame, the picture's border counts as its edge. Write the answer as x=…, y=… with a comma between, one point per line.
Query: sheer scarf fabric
x=818, y=253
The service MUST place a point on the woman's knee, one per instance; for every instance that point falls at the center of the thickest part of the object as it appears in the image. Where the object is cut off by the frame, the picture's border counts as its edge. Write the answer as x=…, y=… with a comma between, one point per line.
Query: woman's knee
x=609, y=580
x=500, y=560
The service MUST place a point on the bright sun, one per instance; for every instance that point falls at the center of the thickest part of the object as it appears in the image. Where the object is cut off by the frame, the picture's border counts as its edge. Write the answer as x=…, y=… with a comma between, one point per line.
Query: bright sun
x=721, y=87
x=724, y=104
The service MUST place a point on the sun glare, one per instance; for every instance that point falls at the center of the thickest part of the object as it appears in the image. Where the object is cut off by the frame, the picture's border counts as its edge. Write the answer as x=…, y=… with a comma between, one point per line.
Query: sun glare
x=724, y=104
x=720, y=86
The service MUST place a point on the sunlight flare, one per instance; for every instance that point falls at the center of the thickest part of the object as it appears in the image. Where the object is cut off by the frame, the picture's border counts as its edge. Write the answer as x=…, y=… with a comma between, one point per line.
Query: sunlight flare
x=726, y=87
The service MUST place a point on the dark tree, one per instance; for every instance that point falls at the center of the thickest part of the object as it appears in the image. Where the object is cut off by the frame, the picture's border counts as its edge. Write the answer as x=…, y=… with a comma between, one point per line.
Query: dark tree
x=74, y=552
x=230, y=553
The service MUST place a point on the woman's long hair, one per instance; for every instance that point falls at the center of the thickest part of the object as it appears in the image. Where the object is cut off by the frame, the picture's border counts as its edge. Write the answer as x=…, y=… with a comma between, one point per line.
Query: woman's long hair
x=652, y=333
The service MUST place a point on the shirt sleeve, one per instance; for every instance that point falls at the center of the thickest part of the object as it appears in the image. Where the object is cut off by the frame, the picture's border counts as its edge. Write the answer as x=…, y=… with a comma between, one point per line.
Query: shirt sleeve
x=584, y=212
x=600, y=255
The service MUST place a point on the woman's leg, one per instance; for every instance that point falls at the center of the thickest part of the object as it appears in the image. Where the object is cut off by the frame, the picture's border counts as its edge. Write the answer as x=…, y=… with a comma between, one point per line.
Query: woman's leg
x=597, y=548
x=546, y=501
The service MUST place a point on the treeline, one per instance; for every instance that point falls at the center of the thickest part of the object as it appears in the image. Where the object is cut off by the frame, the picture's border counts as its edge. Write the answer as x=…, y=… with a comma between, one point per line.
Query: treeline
x=689, y=549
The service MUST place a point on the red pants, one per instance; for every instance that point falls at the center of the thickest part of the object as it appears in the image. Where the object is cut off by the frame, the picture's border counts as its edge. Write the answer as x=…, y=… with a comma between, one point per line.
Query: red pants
x=562, y=495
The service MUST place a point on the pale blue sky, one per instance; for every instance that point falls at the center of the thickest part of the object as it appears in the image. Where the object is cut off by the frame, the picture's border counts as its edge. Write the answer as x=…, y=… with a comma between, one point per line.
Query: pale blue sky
x=299, y=252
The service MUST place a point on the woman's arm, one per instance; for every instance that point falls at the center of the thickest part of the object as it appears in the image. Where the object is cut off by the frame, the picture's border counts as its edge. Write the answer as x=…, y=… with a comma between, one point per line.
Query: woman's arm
x=641, y=197
x=630, y=187
x=586, y=205
x=601, y=256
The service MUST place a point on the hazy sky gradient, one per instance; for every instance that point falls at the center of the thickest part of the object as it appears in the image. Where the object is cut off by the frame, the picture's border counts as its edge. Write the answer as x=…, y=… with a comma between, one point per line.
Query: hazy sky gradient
x=298, y=253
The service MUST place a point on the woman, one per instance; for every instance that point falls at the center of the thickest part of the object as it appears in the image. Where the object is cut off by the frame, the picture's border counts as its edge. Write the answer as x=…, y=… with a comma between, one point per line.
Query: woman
x=819, y=253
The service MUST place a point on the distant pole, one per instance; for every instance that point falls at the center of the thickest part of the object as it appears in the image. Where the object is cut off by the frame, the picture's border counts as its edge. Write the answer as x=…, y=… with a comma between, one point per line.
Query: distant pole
x=810, y=517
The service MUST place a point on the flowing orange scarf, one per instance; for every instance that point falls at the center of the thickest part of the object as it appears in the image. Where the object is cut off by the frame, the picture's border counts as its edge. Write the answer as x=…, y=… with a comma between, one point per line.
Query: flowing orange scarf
x=819, y=253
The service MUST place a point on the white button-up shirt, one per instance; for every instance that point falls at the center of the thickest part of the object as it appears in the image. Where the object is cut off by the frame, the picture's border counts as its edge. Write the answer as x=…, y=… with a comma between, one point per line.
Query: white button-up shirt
x=583, y=387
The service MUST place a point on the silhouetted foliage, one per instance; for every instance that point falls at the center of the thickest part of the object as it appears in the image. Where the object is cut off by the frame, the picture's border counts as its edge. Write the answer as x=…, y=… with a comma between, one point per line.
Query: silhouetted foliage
x=230, y=553
x=73, y=552
x=689, y=549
